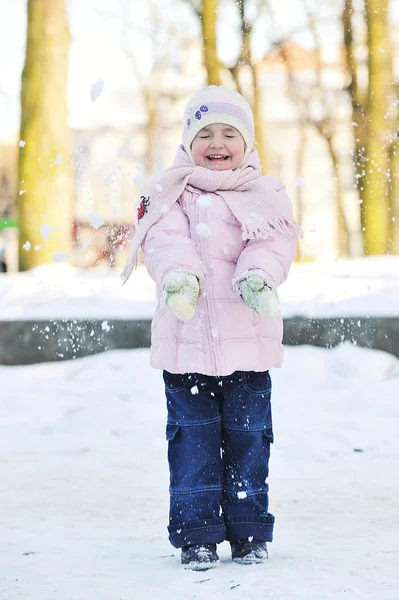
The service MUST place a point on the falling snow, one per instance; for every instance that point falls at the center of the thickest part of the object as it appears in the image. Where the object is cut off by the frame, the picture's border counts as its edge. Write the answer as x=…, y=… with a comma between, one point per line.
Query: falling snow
x=300, y=181
x=204, y=200
x=139, y=179
x=203, y=230
x=105, y=326
x=46, y=230
x=96, y=89
x=96, y=220
x=110, y=178
x=194, y=390
x=60, y=256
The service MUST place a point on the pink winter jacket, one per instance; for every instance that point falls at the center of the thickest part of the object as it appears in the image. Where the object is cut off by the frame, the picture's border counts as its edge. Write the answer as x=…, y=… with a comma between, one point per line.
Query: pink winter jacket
x=225, y=335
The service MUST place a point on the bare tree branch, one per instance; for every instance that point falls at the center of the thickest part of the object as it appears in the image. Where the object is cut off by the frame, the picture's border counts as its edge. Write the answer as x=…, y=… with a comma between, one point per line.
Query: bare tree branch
x=325, y=124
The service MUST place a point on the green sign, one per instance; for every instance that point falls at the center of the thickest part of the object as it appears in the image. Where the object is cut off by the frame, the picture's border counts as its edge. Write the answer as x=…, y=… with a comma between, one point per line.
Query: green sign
x=6, y=223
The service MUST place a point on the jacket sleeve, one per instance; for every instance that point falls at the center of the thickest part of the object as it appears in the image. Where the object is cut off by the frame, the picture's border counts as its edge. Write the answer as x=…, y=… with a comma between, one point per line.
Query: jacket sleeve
x=271, y=258
x=168, y=247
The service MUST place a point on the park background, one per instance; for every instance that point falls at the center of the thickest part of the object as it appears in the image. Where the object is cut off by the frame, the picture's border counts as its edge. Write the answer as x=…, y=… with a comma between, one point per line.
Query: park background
x=96, y=97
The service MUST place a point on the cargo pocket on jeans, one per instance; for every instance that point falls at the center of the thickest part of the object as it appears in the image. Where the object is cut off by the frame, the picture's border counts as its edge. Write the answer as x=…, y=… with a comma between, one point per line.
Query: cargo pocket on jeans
x=268, y=433
x=171, y=431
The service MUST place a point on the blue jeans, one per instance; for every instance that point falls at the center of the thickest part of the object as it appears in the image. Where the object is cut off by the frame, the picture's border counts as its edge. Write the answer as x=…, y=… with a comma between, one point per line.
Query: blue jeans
x=219, y=431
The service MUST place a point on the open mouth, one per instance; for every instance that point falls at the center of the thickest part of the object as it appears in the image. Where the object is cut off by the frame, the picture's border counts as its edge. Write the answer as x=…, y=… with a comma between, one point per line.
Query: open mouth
x=217, y=157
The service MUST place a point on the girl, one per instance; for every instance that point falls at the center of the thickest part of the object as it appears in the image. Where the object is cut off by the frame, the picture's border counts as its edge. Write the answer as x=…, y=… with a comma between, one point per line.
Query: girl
x=218, y=240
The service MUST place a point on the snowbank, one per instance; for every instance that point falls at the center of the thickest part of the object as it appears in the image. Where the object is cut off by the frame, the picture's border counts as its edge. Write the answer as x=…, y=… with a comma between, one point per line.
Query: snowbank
x=361, y=287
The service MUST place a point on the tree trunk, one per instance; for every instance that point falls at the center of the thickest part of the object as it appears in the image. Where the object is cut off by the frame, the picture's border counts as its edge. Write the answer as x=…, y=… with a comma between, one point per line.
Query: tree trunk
x=359, y=116
x=245, y=58
x=374, y=208
x=258, y=120
x=393, y=225
x=208, y=24
x=370, y=110
x=45, y=171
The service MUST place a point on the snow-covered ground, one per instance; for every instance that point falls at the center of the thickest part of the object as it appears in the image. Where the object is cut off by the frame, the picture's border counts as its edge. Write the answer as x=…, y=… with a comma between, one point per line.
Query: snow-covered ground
x=361, y=287
x=83, y=483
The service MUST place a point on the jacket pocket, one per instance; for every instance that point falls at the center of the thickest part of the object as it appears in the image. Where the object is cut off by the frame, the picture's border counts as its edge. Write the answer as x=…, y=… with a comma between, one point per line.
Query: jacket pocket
x=171, y=431
x=268, y=433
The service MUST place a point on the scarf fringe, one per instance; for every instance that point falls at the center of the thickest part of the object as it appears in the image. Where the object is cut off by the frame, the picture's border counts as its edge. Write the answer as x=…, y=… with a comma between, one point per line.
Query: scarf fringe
x=130, y=266
x=271, y=228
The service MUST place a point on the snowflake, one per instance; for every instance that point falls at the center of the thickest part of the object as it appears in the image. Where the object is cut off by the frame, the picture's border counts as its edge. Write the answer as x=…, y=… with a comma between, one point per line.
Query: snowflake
x=203, y=230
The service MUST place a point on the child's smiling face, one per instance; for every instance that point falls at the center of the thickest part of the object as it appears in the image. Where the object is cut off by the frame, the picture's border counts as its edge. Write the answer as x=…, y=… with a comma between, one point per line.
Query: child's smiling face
x=218, y=147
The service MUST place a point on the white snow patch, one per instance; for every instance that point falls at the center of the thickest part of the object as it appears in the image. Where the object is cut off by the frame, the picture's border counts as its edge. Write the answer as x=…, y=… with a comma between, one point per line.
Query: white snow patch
x=22, y=143
x=203, y=230
x=241, y=495
x=84, y=423
x=194, y=390
x=27, y=246
x=22, y=192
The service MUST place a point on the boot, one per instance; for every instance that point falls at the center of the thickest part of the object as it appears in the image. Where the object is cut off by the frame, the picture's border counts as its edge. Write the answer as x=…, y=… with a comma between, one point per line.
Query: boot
x=199, y=557
x=248, y=553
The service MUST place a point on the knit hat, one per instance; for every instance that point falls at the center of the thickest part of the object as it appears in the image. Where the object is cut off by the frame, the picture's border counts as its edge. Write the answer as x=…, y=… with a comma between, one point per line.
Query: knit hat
x=218, y=104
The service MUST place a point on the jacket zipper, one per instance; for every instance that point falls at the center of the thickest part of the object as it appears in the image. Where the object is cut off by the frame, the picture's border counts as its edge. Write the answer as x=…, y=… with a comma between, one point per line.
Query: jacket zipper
x=211, y=342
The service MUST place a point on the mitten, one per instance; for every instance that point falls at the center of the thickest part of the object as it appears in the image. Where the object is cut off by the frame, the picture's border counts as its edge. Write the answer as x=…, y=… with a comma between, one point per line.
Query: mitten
x=259, y=296
x=181, y=291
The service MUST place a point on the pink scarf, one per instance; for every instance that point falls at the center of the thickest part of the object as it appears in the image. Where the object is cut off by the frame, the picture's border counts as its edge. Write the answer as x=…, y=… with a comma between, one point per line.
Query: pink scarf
x=260, y=209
